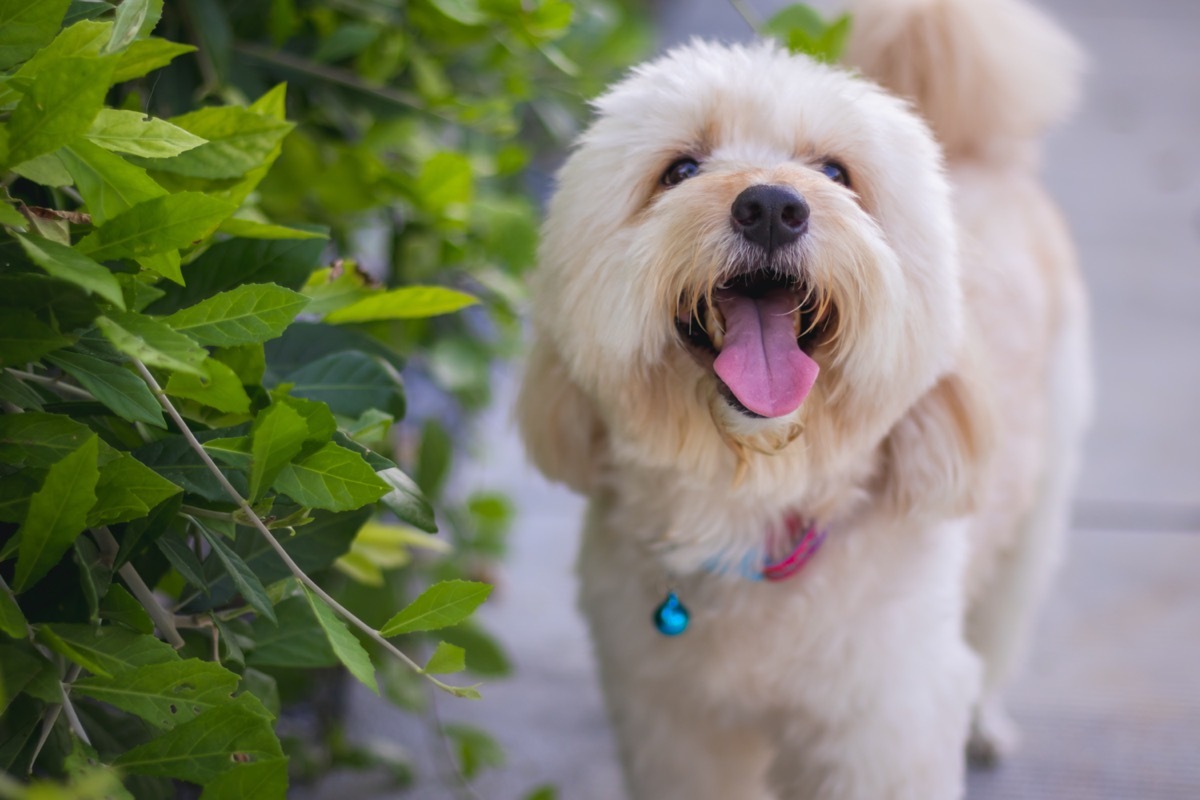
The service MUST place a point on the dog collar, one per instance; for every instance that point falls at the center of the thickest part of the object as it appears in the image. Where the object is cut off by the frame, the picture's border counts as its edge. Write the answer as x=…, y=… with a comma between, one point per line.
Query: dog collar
x=671, y=618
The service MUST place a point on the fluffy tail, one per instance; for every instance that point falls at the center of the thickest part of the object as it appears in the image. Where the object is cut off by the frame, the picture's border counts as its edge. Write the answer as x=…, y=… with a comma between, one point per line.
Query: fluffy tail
x=986, y=74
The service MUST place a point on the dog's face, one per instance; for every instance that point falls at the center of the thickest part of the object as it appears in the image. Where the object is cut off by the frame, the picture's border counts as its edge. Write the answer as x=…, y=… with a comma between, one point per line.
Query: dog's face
x=749, y=251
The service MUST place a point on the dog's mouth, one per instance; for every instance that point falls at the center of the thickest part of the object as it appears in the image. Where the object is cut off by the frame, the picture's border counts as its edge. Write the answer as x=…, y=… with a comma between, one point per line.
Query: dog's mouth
x=758, y=332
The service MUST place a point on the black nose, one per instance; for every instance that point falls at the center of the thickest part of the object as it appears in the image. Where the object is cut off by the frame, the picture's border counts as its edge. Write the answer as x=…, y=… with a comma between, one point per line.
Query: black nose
x=770, y=215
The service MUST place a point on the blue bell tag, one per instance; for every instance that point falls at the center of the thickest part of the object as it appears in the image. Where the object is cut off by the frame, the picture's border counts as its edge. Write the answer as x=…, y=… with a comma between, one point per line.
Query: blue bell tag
x=671, y=617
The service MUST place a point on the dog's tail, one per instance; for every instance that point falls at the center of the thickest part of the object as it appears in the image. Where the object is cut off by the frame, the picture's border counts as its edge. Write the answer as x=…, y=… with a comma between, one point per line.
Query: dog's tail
x=986, y=74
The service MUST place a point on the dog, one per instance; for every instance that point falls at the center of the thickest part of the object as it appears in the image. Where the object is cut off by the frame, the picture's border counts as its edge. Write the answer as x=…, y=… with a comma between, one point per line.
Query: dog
x=813, y=342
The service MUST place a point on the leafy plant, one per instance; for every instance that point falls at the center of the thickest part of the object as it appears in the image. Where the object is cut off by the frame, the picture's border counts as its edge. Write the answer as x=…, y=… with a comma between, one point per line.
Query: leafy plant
x=802, y=29
x=190, y=394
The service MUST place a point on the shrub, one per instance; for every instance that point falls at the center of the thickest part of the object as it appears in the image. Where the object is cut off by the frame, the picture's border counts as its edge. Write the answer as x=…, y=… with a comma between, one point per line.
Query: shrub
x=198, y=402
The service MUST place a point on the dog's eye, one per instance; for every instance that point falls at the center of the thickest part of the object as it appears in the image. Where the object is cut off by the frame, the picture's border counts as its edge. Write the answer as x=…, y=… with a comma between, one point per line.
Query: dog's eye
x=836, y=173
x=680, y=171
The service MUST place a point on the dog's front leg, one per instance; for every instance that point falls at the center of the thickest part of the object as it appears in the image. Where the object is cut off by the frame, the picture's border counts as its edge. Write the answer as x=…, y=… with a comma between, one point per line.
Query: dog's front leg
x=899, y=738
x=670, y=753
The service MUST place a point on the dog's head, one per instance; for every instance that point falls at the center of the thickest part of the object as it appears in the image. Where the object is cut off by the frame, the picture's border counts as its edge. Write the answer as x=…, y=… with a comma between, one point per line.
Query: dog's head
x=748, y=253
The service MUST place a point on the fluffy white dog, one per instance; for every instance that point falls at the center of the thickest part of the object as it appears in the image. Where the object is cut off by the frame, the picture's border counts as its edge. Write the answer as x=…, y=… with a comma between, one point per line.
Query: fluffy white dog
x=820, y=367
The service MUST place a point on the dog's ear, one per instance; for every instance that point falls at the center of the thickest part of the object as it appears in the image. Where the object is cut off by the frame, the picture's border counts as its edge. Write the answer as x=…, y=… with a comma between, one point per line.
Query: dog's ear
x=936, y=457
x=563, y=434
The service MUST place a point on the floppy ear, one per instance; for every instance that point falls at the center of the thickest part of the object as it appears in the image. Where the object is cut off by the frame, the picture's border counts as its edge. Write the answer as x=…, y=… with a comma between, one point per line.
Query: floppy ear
x=936, y=457
x=563, y=433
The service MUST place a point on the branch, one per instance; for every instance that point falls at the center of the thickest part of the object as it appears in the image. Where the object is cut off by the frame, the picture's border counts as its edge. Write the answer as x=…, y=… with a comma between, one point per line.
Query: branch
x=746, y=13
x=51, y=717
x=163, y=619
x=53, y=384
x=262, y=528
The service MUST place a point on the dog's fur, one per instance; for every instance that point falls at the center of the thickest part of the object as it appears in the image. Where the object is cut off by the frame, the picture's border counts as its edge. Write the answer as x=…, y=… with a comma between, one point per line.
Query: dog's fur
x=936, y=446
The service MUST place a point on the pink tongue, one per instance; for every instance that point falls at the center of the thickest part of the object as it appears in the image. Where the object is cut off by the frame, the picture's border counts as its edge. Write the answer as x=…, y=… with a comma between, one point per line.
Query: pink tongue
x=761, y=362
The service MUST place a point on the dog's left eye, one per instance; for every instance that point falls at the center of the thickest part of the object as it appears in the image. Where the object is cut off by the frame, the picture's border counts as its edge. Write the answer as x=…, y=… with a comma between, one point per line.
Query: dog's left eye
x=680, y=171
x=835, y=172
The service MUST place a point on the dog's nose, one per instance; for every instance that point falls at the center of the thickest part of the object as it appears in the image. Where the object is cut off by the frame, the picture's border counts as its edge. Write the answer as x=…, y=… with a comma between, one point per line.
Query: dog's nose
x=770, y=215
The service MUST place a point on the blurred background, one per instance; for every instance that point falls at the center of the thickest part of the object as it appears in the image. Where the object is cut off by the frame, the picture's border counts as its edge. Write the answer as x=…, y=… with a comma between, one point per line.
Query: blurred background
x=1110, y=701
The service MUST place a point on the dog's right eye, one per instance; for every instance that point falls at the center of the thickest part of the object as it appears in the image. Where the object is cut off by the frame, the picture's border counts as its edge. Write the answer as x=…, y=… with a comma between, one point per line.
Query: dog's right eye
x=680, y=171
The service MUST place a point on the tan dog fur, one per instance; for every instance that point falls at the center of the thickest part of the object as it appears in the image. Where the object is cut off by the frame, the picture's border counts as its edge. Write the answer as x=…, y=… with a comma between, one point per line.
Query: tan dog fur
x=937, y=445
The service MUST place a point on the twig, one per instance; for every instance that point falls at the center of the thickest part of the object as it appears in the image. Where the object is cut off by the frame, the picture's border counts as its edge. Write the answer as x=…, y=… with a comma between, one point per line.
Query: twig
x=746, y=13
x=163, y=619
x=434, y=718
x=54, y=384
x=339, y=76
x=206, y=513
x=72, y=717
x=48, y=721
x=262, y=528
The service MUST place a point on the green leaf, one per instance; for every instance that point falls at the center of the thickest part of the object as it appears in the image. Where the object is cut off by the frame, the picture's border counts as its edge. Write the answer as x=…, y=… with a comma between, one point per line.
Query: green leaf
x=408, y=302
x=298, y=641
x=122, y=608
x=57, y=513
x=484, y=654
x=108, y=183
x=183, y=559
x=262, y=780
x=165, y=695
x=332, y=288
x=39, y=440
x=72, y=266
x=278, y=435
x=19, y=664
x=153, y=342
x=229, y=264
x=111, y=649
x=202, y=749
x=147, y=55
x=444, y=180
x=127, y=490
x=157, y=225
x=137, y=134
x=47, y=169
x=332, y=478
x=249, y=229
x=222, y=389
x=406, y=500
x=244, y=579
x=476, y=749
x=12, y=390
x=238, y=141
x=124, y=393
x=440, y=606
x=168, y=264
x=12, y=621
x=131, y=16
x=446, y=659
x=797, y=16
x=174, y=459
x=350, y=383
x=347, y=648
x=25, y=338
x=26, y=26
x=65, y=97
x=248, y=314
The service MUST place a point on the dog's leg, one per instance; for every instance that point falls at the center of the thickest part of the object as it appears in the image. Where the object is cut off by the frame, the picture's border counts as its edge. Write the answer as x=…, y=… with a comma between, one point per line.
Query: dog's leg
x=672, y=755
x=1000, y=621
x=898, y=737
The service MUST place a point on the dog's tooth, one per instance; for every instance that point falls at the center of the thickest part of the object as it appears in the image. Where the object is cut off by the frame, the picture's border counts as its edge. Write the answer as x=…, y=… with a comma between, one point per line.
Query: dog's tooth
x=714, y=323
x=796, y=315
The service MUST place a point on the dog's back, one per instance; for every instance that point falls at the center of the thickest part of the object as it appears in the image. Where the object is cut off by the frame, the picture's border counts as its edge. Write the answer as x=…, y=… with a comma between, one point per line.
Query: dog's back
x=991, y=77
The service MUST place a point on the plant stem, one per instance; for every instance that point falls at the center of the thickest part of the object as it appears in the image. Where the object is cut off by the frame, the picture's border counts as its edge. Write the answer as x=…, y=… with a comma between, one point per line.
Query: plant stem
x=54, y=384
x=206, y=513
x=339, y=76
x=163, y=619
x=51, y=717
x=72, y=717
x=746, y=13
x=257, y=522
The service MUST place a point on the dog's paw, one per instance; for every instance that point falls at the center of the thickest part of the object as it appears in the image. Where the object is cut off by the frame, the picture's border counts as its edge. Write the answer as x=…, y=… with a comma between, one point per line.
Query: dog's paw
x=994, y=736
